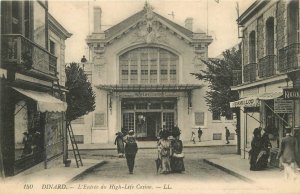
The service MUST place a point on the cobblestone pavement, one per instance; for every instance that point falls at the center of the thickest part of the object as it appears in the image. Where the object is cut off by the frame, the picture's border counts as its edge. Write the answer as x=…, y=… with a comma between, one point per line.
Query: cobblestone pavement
x=198, y=175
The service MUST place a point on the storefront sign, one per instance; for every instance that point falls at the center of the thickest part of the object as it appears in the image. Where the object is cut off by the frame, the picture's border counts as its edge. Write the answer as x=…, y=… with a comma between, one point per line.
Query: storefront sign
x=247, y=102
x=150, y=94
x=292, y=93
x=283, y=106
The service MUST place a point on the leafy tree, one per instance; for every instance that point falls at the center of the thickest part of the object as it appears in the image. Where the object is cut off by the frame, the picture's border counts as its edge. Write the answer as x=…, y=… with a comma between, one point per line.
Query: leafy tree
x=81, y=97
x=220, y=75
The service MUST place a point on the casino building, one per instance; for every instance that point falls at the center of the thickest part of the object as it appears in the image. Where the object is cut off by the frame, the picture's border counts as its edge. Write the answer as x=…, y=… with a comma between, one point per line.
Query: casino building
x=140, y=69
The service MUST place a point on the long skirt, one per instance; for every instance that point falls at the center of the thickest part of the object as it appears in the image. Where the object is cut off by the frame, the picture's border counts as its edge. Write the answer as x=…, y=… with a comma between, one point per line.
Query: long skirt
x=165, y=164
x=177, y=164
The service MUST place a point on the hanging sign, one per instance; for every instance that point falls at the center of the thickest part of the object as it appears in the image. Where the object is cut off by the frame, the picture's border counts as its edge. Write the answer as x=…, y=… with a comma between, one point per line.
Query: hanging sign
x=291, y=93
x=283, y=106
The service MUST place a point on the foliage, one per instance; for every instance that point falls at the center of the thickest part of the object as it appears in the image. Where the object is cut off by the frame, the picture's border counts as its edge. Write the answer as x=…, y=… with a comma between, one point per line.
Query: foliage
x=81, y=97
x=219, y=74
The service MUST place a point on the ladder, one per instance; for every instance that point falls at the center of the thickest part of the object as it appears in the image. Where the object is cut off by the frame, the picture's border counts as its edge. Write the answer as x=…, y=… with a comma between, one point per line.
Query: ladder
x=74, y=146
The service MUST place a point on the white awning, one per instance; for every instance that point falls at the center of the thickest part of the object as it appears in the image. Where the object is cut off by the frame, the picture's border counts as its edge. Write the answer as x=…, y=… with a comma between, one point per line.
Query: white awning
x=45, y=102
x=254, y=101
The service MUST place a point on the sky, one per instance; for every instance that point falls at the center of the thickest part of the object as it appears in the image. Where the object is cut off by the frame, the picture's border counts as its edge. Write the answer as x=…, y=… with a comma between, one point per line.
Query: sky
x=77, y=17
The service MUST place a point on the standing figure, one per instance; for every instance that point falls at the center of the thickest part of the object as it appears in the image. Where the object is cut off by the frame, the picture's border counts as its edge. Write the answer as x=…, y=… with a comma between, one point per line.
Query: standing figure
x=177, y=156
x=131, y=149
x=120, y=144
x=164, y=147
x=263, y=157
x=27, y=141
x=255, y=149
x=227, y=135
x=200, y=132
x=287, y=153
x=193, y=137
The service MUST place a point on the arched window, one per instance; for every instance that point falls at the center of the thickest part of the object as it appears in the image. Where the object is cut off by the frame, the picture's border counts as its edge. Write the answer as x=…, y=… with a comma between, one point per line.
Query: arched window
x=148, y=65
x=252, y=47
x=270, y=36
x=292, y=21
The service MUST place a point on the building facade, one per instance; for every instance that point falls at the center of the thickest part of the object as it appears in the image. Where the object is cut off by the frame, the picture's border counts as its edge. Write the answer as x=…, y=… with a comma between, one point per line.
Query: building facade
x=32, y=129
x=269, y=92
x=140, y=69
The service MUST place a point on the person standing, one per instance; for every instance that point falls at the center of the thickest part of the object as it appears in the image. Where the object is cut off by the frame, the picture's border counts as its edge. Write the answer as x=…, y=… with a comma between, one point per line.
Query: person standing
x=177, y=155
x=200, y=133
x=287, y=153
x=255, y=149
x=227, y=135
x=131, y=149
x=193, y=137
x=120, y=144
x=164, y=147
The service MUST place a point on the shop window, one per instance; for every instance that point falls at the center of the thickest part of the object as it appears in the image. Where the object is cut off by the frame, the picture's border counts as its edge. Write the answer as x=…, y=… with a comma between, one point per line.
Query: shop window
x=199, y=118
x=154, y=106
x=216, y=116
x=141, y=106
x=252, y=47
x=168, y=106
x=99, y=119
x=270, y=36
x=79, y=139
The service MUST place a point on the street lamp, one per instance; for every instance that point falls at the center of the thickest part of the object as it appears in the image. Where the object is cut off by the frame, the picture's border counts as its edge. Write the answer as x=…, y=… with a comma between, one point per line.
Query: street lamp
x=83, y=61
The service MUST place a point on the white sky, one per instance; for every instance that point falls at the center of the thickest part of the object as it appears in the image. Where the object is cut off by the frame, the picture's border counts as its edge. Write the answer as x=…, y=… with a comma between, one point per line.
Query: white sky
x=77, y=17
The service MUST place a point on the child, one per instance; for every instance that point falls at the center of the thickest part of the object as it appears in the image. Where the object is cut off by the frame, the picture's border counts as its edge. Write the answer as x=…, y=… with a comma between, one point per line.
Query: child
x=193, y=137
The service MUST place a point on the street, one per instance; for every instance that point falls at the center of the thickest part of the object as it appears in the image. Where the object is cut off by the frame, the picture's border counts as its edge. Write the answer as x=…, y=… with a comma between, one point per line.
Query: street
x=114, y=173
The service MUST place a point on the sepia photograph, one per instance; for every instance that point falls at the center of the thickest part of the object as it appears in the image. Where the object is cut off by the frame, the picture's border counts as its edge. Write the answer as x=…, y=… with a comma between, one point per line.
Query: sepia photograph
x=150, y=96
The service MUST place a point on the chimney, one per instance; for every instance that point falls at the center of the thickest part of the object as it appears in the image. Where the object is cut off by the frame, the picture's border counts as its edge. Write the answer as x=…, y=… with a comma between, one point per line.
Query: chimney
x=189, y=23
x=97, y=19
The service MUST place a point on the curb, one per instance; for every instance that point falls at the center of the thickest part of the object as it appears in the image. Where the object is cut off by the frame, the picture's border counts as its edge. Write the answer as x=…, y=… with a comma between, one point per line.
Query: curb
x=189, y=146
x=88, y=170
x=231, y=172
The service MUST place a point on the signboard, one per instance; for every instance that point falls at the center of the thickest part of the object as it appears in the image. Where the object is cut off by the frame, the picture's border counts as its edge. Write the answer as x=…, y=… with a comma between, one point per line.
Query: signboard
x=247, y=102
x=291, y=93
x=283, y=106
x=150, y=94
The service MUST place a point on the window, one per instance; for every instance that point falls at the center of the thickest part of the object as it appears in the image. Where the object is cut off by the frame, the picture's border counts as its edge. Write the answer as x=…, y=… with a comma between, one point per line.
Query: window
x=292, y=22
x=199, y=118
x=79, y=139
x=216, y=116
x=52, y=47
x=148, y=65
x=99, y=120
x=270, y=36
x=252, y=47
x=229, y=117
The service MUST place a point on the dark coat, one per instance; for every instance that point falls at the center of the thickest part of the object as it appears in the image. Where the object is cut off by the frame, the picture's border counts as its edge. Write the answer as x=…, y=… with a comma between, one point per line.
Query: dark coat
x=288, y=149
x=131, y=145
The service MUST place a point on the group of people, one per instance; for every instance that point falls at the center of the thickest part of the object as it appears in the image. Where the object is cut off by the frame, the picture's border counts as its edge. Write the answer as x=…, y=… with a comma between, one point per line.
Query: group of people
x=260, y=149
x=170, y=151
x=193, y=138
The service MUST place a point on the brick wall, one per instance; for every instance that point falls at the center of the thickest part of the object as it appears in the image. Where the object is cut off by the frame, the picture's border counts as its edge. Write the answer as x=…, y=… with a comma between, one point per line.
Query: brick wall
x=260, y=37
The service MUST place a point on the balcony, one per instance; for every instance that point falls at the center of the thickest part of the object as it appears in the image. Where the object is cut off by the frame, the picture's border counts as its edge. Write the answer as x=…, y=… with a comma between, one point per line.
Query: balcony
x=24, y=54
x=266, y=66
x=237, y=77
x=289, y=58
x=249, y=72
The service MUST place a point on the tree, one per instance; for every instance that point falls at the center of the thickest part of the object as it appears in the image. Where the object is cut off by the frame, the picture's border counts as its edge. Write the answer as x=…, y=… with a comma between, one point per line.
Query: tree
x=219, y=74
x=81, y=97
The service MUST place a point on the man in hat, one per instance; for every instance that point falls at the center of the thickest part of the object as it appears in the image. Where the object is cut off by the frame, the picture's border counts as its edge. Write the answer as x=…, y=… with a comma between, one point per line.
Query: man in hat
x=130, y=150
x=227, y=135
x=287, y=153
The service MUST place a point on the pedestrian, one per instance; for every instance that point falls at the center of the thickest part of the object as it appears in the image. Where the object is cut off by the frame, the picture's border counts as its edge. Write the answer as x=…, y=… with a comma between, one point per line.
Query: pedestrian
x=227, y=135
x=265, y=150
x=287, y=153
x=131, y=149
x=176, y=160
x=27, y=141
x=119, y=141
x=193, y=137
x=200, y=132
x=255, y=149
x=164, y=147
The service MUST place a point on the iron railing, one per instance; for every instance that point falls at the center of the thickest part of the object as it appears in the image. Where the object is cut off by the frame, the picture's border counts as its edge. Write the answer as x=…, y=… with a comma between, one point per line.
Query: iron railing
x=249, y=72
x=289, y=58
x=266, y=66
x=18, y=50
x=237, y=77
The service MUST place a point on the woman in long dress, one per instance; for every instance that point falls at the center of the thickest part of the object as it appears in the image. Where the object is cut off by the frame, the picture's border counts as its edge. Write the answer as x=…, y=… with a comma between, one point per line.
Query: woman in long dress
x=255, y=149
x=164, y=146
x=177, y=164
x=120, y=144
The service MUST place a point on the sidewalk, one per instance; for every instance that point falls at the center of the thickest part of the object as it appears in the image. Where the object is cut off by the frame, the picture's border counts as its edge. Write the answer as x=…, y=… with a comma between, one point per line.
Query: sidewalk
x=153, y=144
x=57, y=174
x=270, y=178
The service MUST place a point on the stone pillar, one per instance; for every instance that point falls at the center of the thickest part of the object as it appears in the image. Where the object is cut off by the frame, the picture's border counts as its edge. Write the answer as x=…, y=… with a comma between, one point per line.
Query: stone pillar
x=97, y=19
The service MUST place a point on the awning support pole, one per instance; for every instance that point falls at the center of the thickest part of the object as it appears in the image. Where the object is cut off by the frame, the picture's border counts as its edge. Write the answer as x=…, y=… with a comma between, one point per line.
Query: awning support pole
x=277, y=114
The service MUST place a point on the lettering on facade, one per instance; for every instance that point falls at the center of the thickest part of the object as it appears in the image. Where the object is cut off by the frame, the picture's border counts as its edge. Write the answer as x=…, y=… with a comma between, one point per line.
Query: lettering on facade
x=245, y=103
x=283, y=106
x=150, y=94
x=291, y=94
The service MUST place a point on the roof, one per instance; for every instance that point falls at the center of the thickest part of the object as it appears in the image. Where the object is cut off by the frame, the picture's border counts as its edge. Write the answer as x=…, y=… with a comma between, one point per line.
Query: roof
x=57, y=27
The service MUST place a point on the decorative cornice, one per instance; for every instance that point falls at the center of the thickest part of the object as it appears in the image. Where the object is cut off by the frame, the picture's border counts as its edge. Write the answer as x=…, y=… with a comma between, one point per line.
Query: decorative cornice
x=57, y=28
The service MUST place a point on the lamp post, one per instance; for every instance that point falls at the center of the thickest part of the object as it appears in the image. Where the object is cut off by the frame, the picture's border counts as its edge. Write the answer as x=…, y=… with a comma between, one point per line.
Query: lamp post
x=83, y=61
